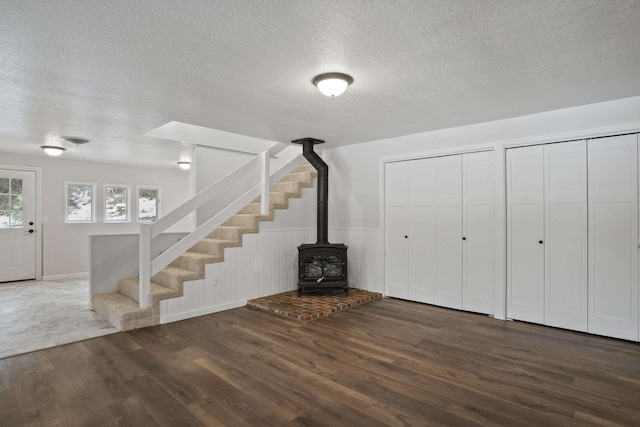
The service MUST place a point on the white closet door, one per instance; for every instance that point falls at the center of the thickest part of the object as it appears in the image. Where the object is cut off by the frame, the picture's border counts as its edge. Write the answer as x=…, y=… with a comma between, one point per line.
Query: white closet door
x=565, y=242
x=421, y=229
x=478, y=231
x=396, y=228
x=613, y=237
x=525, y=234
x=448, y=230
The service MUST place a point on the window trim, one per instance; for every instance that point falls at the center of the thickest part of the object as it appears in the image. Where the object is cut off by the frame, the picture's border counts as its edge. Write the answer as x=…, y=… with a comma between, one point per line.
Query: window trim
x=93, y=202
x=147, y=187
x=128, y=204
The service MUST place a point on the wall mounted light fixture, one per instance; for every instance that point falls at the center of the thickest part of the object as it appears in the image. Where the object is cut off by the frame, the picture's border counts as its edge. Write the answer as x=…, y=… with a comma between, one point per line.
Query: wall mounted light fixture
x=332, y=84
x=184, y=165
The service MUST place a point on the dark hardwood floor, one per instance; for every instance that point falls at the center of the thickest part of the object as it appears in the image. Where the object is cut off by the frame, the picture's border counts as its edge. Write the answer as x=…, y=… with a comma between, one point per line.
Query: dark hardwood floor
x=387, y=362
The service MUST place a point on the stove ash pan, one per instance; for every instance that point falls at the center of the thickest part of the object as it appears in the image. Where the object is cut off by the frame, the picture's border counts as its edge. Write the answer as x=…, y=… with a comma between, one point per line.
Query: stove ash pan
x=322, y=266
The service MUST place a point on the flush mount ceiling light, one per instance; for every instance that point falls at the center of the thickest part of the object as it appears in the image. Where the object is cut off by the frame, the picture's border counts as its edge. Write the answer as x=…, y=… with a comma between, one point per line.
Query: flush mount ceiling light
x=53, y=150
x=332, y=84
x=75, y=140
x=184, y=165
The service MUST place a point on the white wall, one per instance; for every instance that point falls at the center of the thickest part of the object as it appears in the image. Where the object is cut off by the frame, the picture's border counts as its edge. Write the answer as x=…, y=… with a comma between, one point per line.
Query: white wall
x=65, y=247
x=210, y=165
x=356, y=171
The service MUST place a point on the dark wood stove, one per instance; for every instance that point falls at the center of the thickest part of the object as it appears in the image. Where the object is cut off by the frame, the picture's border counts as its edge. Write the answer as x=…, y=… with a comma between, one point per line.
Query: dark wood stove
x=321, y=266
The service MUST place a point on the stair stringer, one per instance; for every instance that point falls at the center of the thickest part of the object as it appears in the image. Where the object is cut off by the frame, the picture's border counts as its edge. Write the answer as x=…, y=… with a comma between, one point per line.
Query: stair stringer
x=122, y=309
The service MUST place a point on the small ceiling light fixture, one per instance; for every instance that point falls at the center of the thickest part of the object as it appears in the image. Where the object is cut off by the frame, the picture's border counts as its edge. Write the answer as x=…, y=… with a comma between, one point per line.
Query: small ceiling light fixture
x=332, y=84
x=184, y=165
x=53, y=150
x=75, y=140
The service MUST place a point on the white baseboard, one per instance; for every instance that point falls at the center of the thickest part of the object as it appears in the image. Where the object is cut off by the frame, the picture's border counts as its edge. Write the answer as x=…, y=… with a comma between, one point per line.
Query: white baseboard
x=202, y=311
x=66, y=276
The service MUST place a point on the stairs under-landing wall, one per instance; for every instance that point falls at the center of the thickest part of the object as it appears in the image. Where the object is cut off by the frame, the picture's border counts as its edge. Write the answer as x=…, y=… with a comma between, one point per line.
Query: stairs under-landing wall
x=122, y=309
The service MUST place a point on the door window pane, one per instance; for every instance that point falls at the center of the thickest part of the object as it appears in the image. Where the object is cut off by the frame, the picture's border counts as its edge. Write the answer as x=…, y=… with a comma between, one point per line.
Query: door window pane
x=4, y=219
x=16, y=186
x=16, y=202
x=80, y=202
x=16, y=219
x=116, y=203
x=10, y=203
x=148, y=202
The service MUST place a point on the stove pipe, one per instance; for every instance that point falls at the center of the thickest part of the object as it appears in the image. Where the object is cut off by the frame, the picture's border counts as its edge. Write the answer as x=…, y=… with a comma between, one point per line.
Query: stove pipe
x=323, y=186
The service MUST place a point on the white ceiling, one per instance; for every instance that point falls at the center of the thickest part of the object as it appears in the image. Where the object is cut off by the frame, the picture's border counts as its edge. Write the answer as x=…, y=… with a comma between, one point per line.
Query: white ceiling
x=113, y=70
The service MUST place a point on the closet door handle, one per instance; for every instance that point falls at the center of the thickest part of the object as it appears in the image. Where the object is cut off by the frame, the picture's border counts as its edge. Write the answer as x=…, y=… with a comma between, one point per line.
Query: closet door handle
x=406, y=237
x=464, y=238
x=540, y=241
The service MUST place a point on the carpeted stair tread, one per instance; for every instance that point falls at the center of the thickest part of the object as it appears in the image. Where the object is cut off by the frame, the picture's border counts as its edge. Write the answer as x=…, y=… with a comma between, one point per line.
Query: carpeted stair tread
x=231, y=233
x=307, y=167
x=213, y=247
x=255, y=209
x=289, y=187
x=278, y=198
x=130, y=289
x=173, y=277
x=251, y=221
x=122, y=312
x=195, y=261
x=304, y=178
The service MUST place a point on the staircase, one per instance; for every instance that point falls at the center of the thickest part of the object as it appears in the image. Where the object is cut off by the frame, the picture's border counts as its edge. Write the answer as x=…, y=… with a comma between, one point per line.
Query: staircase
x=122, y=308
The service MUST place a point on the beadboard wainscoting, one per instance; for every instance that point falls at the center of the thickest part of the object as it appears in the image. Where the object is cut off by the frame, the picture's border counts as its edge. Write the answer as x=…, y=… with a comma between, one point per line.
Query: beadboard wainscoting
x=266, y=264
x=363, y=256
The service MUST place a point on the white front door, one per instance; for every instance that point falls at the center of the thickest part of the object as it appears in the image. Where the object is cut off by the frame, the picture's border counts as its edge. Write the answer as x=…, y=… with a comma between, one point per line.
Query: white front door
x=17, y=225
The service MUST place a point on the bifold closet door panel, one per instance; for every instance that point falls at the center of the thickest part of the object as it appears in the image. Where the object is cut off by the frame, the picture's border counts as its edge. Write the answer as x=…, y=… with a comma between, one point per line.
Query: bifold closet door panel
x=422, y=195
x=448, y=230
x=525, y=234
x=396, y=228
x=478, y=232
x=565, y=242
x=613, y=236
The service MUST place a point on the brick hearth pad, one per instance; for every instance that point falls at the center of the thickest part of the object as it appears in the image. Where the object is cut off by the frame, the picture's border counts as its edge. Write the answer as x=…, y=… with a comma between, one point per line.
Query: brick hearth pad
x=309, y=307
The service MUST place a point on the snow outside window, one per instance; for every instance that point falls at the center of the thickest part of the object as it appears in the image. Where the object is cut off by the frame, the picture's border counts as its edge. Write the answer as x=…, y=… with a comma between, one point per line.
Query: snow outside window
x=80, y=205
x=148, y=204
x=116, y=203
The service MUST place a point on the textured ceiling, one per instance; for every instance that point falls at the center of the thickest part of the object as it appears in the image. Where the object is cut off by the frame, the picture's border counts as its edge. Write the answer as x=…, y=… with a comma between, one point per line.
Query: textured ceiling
x=113, y=70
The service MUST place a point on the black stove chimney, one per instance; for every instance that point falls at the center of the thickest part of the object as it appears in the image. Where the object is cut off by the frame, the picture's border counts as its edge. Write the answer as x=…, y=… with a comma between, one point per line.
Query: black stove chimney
x=323, y=186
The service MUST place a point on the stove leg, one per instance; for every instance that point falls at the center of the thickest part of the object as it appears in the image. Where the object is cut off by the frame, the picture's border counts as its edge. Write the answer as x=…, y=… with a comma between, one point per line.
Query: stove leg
x=346, y=292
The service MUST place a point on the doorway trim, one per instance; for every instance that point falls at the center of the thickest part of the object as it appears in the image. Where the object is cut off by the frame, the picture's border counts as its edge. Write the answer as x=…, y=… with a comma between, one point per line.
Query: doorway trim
x=39, y=233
